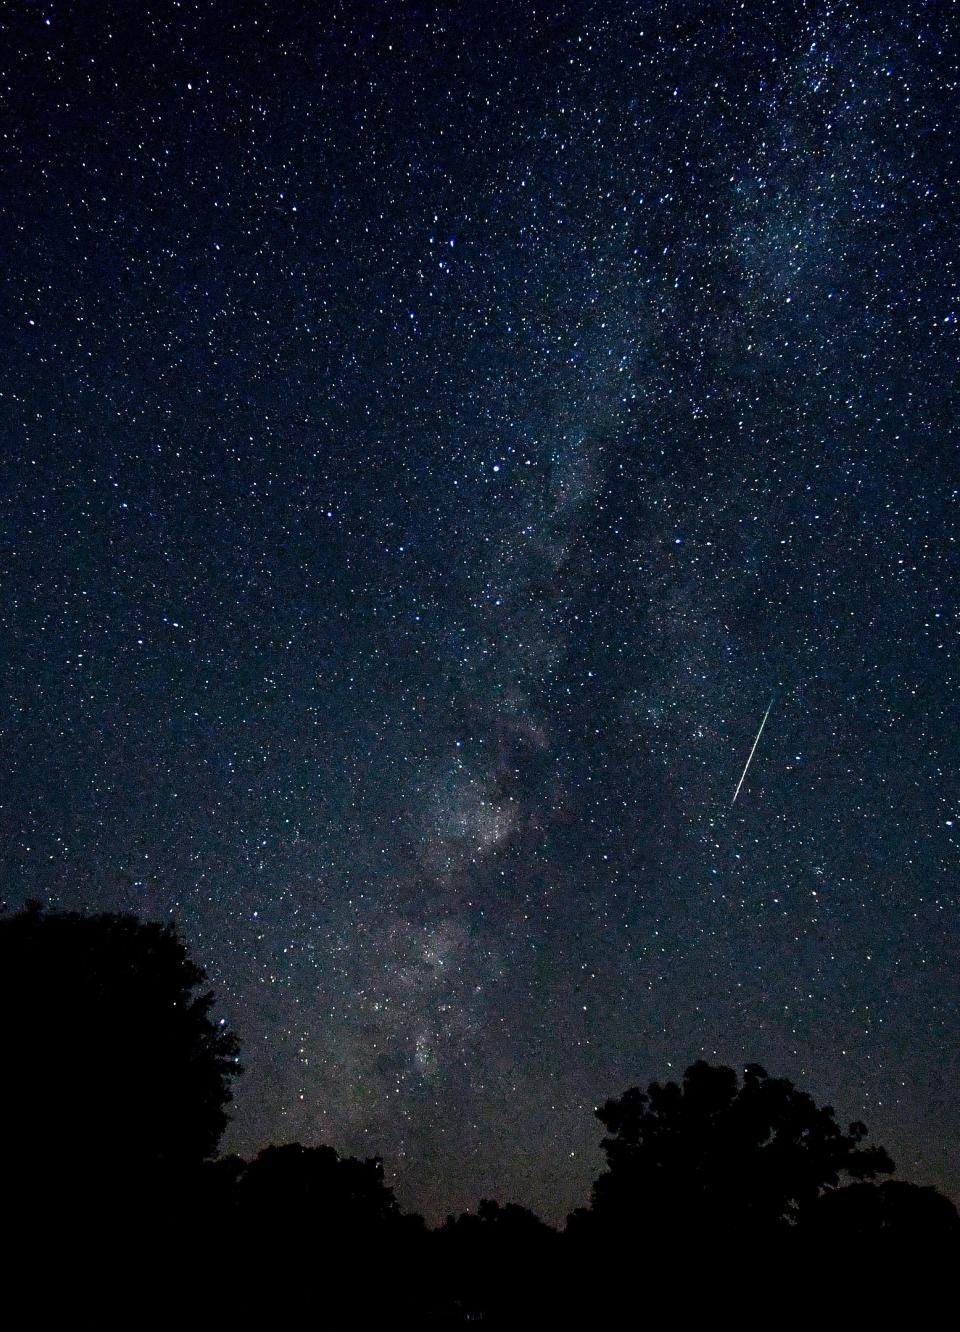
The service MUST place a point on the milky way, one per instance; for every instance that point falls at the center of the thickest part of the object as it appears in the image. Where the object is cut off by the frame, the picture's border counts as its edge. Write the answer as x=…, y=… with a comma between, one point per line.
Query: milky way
x=432, y=433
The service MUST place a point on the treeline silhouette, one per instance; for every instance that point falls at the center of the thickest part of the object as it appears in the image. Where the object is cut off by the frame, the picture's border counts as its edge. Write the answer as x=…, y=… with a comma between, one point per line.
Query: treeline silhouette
x=117, y=1080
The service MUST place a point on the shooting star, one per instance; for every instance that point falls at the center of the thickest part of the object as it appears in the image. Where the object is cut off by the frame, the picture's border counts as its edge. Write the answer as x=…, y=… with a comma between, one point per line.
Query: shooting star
x=752, y=752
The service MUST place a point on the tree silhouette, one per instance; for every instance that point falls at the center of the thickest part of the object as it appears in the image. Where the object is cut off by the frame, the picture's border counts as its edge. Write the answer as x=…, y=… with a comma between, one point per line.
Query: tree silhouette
x=495, y=1226
x=714, y=1160
x=116, y=1077
x=496, y=1261
x=116, y=1084
x=313, y=1191
x=296, y=1209
x=906, y=1214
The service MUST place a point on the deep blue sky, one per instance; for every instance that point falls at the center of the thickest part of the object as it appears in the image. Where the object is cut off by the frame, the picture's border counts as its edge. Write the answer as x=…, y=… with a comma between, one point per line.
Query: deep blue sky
x=431, y=436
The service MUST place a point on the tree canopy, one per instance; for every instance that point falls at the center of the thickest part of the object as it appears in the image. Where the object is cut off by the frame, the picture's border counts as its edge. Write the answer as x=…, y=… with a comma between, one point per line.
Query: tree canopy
x=117, y=1083
x=114, y=1066
x=714, y=1155
x=897, y=1211
x=314, y=1189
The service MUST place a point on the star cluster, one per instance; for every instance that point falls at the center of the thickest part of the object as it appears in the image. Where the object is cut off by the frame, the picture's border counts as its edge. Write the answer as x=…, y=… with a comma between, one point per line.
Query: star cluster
x=432, y=434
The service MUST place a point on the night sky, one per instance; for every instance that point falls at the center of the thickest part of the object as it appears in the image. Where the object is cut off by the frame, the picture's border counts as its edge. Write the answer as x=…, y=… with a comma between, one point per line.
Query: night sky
x=432, y=435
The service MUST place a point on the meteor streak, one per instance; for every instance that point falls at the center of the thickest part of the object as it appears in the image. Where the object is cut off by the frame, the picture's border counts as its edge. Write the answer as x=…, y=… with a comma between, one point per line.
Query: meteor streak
x=752, y=752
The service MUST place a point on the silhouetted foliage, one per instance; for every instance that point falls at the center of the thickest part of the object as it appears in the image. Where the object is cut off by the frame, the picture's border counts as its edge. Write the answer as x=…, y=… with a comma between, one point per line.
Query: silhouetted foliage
x=495, y=1227
x=314, y=1190
x=294, y=1210
x=715, y=1158
x=894, y=1211
x=497, y=1260
x=116, y=1077
x=116, y=1086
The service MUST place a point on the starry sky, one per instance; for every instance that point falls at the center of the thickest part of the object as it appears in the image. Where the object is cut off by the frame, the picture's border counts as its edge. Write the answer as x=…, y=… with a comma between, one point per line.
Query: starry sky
x=432, y=435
